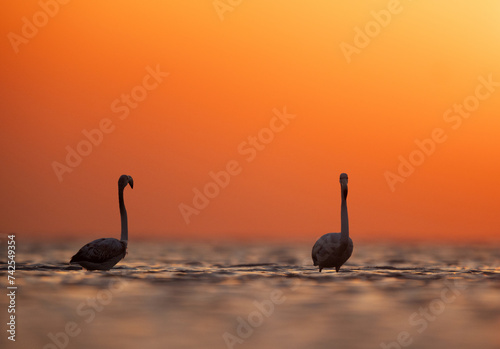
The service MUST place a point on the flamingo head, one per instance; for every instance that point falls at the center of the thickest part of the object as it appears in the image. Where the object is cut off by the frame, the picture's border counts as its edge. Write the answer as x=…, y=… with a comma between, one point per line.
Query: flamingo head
x=124, y=180
x=343, y=184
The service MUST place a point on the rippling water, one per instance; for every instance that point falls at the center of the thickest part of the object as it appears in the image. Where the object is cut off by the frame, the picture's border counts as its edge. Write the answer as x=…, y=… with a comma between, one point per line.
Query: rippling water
x=178, y=295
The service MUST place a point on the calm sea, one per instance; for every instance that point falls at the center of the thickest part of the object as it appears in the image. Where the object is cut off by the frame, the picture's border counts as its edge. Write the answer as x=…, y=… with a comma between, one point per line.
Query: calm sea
x=208, y=295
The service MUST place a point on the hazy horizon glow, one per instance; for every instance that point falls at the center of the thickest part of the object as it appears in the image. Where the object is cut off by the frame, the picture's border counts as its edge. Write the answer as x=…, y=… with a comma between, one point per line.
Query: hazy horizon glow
x=261, y=110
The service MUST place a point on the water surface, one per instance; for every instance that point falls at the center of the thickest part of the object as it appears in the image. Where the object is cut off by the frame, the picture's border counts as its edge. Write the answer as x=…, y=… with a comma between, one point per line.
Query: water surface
x=182, y=295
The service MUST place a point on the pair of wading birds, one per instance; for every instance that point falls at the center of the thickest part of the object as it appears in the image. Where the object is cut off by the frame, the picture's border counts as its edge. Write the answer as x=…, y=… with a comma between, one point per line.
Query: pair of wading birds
x=331, y=250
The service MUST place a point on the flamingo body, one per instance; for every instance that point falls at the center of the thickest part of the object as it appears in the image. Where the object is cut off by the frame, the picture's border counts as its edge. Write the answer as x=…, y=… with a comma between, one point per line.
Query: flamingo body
x=100, y=254
x=328, y=251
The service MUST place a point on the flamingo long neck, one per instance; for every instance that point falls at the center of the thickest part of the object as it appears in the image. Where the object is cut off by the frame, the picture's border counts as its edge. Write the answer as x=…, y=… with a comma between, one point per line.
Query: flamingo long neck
x=344, y=220
x=123, y=215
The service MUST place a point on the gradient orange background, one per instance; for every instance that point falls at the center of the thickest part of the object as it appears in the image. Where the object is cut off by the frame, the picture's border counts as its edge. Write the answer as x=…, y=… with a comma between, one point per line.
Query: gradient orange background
x=225, y=79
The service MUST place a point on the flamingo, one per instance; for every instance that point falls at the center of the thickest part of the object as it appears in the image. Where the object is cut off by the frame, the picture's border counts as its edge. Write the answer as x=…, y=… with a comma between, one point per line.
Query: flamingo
x=103, y=254
x=334, y=249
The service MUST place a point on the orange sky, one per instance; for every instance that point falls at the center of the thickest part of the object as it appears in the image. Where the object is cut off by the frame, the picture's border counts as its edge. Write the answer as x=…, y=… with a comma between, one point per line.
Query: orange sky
x=360, y=102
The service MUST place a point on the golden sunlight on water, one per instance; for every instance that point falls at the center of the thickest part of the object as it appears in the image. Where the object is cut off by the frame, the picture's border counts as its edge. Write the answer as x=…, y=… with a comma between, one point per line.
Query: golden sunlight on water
x=255, y=296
